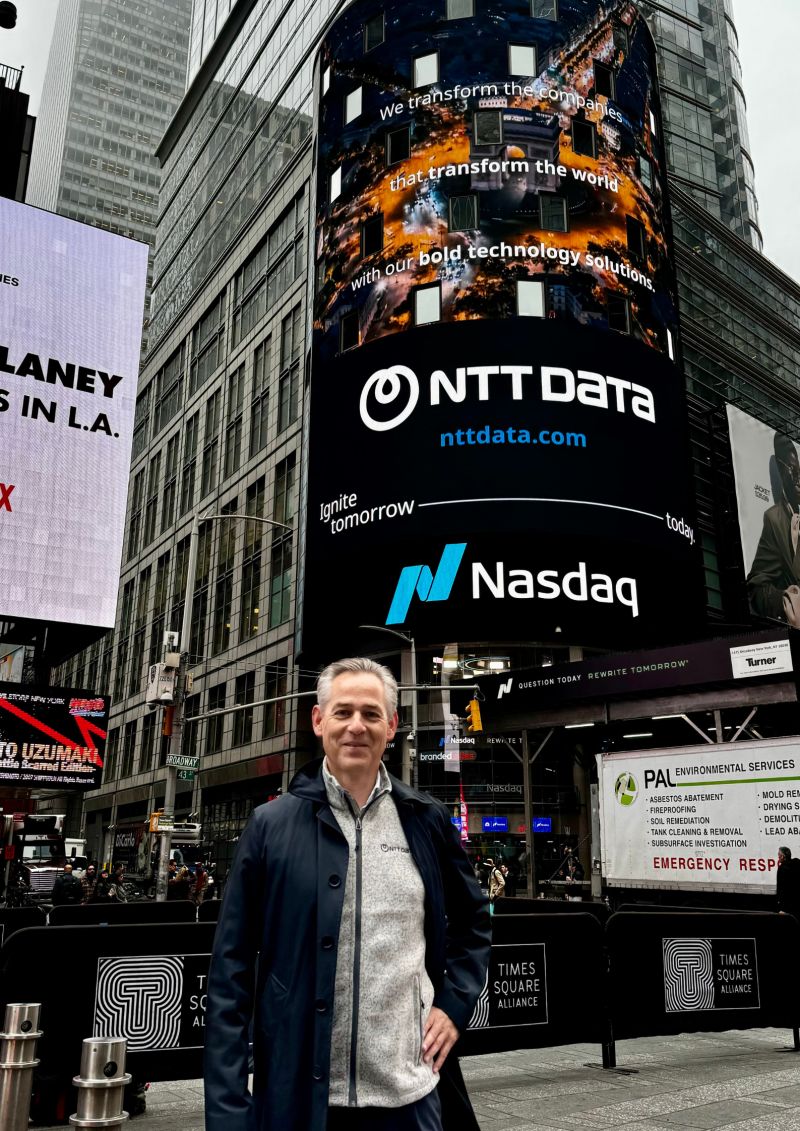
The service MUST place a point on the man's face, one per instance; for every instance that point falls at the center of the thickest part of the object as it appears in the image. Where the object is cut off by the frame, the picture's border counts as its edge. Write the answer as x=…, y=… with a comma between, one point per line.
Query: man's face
x=355, y=726
x=790, y=476
x=68, y=869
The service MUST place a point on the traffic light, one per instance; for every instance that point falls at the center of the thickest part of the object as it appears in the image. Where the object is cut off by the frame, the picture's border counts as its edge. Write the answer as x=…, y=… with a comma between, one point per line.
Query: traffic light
x=473, y=716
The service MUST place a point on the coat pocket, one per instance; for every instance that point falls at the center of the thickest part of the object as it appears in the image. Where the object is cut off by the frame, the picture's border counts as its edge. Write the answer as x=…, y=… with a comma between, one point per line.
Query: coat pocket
x=273, y=1005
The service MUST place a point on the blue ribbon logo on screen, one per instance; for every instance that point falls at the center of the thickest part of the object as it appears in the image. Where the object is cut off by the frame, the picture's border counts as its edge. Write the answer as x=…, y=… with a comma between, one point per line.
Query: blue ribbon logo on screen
x=428, y=586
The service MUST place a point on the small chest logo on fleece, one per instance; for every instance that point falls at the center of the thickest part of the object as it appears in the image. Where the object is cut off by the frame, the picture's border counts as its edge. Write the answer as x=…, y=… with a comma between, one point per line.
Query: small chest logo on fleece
x=394, y=848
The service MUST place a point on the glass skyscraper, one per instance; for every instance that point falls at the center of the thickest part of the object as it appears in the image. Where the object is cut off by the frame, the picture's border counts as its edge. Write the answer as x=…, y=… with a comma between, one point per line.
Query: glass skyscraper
x=115, y=76
x=221, y=402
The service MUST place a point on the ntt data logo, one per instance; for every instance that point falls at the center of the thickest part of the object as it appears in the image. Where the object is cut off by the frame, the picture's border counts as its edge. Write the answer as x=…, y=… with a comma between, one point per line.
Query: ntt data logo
x=427, y=585
x=625, y=788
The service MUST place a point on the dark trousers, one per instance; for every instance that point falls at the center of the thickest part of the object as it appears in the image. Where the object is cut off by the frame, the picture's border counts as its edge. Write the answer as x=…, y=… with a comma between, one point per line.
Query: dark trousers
x=424, y=1115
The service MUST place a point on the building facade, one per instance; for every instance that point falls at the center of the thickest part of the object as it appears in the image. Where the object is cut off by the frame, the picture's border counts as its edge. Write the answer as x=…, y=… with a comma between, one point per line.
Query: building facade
x=222, y=402
x=18, y=129
x=115, y=76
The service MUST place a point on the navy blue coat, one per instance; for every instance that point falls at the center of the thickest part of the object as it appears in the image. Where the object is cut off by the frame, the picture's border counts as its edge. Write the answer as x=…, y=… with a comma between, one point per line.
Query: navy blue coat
x=275, y=954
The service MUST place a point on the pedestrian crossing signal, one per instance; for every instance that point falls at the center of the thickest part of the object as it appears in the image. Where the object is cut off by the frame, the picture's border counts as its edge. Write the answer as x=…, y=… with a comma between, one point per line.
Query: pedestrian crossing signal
x=473, y=716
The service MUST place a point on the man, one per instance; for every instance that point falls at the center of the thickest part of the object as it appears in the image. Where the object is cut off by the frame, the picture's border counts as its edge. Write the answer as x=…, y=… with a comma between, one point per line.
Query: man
x=772, y=582
x=67, y=889
x=88, y=882
x=103, y=890
x=177, y=881
x=497, y=881
x=355, y=933
x=788, y=883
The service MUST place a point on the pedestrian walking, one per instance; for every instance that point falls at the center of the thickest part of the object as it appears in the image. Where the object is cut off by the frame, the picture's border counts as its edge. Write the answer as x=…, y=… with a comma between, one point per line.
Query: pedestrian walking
x=198, y=885
x=118, y=881
x=497, y=882
x=788, y=883
x=88, y=883
x=103, y=890
x=67, y=890
x=354, y=929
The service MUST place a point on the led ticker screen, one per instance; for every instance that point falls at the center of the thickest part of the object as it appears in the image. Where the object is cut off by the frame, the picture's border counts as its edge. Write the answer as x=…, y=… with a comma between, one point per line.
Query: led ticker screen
x=494, y=333
x=71, y=302
x=52, y=737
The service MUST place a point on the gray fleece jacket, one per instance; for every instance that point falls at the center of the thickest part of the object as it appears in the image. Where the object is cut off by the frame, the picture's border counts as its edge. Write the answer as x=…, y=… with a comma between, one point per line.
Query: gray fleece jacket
x=382, y=993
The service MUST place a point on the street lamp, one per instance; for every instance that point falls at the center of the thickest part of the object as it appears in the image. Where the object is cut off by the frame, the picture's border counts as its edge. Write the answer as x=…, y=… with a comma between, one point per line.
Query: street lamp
x=176, y=734
x=410, y=770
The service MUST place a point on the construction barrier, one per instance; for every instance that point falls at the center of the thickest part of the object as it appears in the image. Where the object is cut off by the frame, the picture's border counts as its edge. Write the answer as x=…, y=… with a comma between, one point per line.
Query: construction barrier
x=694, y=972
x=545, y=985
x=525, y=906
x=82, y=915
x=16, y=918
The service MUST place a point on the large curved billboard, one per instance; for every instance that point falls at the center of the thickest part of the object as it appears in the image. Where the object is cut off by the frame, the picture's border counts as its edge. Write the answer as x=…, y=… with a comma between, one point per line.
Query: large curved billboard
x=497, y=435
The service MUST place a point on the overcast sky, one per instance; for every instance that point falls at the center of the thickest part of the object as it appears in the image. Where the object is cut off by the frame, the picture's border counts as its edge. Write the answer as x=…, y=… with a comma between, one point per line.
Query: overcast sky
x=769, y=31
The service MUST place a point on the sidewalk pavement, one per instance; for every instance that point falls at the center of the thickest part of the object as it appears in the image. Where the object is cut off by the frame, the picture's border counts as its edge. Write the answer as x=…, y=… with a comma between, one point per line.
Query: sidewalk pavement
x=743, y=1080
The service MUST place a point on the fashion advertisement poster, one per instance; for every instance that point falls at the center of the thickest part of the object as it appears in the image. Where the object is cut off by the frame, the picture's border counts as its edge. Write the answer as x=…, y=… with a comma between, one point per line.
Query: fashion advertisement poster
x=767, y=470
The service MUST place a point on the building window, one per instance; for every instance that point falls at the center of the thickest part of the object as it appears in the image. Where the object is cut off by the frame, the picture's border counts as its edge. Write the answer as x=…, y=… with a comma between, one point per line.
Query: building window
x=459, y=9
x=637, y=244
x=289, y=381
x=250, y=607
x=425, y=70
x=134, y=527
x=259, y=408
x=619, y=315
x=208, y=472
x=427, y=304
x=646, y=172
x=349, y=334
x=169, y=391
x=521, y=59
x=159, y=622
x=189, y=462
x=374, y=32
x=149, y=728
x=604, y=80
x=216, y=724
x=283, y=495
x=353, y=105
x=170, y=482
x=398, y=145
x=584, y=138
x=141, y=421
x=653, y=129
x=336, y=185
x=487, y=127
x=553, y=213
x=372, y=235
x=233, y=431
x=207, y=341
x=110, y=764
x=223, y=595
x=191, y=727
x=326, y=81
x=544, y=9
x=245, y=692
x=280, y=584
x=670, y=344
x=276, y=685
x=151, y=506
x=462, y=213
x=128, y=747
x=530, y=298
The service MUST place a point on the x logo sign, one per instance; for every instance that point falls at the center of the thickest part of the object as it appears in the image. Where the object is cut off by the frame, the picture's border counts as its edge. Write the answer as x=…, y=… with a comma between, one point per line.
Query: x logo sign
x=5, y=496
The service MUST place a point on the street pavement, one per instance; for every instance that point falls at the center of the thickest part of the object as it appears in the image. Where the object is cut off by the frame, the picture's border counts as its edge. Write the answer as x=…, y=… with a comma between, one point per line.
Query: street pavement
x=744, y=1080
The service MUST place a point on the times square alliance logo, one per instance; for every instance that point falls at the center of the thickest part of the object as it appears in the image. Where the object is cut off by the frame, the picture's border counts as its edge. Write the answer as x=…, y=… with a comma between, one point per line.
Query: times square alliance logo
x=497, y=582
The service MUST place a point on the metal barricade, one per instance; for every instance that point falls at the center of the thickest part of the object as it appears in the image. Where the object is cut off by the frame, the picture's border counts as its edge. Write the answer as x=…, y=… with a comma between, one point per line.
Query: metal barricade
x=17, y=1062
x=101, y=1084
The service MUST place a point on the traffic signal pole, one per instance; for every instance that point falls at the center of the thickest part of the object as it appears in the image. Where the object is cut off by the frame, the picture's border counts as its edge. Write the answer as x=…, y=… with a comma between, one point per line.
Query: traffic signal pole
x=176, y=737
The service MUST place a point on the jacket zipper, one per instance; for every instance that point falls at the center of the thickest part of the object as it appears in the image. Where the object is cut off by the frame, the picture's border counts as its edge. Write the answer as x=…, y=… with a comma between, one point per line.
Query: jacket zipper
x=353, y=1095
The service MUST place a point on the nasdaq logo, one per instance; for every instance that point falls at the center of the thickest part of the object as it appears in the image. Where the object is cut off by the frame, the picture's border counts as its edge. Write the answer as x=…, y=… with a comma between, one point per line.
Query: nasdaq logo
x=427, y=585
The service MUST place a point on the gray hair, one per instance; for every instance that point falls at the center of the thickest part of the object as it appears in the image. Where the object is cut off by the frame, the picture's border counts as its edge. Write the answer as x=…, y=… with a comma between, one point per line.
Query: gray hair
x=357, y=664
